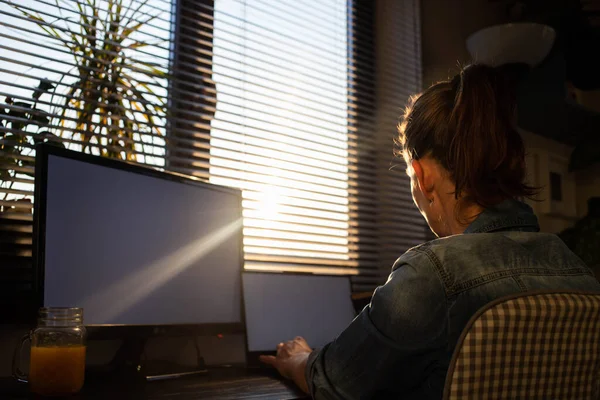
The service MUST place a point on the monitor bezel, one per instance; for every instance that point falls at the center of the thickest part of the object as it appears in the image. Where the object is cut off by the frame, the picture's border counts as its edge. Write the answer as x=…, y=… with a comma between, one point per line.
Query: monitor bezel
x=119, y=331
x=252, y=357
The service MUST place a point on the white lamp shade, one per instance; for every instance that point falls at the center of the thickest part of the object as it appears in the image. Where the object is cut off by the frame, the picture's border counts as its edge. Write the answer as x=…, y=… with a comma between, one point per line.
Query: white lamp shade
x=496, y=45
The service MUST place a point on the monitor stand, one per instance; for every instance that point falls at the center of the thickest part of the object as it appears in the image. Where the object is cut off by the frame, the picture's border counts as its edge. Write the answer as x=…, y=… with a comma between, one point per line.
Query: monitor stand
x=129, y=364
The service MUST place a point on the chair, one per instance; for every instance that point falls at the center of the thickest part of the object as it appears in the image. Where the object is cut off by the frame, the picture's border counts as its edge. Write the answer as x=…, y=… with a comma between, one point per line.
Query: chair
x=535, y=345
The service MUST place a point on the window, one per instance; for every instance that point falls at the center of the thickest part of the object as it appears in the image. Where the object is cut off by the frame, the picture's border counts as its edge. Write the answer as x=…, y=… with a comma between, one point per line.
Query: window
x=290, y=101
x=285, y=108
x=280, y=131
x=69, y=78
x=384, y=70
x=555, y=186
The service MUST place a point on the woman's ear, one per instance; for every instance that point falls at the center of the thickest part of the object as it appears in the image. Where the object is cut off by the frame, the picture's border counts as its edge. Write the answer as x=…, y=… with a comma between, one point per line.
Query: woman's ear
x=423, y=178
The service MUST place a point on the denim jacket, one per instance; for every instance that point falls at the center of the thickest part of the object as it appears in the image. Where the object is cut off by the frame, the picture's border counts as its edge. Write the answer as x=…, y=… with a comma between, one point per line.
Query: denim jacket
x=400, y=345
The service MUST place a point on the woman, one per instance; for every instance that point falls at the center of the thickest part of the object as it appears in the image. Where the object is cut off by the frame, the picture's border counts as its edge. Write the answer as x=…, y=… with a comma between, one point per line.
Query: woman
x=466, y=165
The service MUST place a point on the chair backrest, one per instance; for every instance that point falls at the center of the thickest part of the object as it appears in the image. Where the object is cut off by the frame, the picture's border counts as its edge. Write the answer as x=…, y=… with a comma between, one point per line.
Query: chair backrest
x=533, y=345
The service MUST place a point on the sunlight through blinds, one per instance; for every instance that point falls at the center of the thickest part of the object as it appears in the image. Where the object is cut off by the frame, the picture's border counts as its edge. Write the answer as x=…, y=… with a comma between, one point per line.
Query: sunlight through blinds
x=289, y=100
x=282, y=92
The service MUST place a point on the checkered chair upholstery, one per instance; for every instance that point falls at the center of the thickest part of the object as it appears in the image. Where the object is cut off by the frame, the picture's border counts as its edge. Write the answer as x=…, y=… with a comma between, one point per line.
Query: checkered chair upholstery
x=536, y=345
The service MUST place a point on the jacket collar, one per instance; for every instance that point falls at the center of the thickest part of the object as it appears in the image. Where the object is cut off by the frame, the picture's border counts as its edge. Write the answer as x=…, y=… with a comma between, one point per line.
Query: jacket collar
x=510, y=215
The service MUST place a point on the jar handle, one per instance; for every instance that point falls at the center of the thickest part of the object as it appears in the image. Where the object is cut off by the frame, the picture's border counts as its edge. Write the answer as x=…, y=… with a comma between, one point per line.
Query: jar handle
x=16, y=362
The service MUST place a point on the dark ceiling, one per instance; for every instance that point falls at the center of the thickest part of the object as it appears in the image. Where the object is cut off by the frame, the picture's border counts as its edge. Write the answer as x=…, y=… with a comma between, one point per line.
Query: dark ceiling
x=544, y=106
x=577, y=23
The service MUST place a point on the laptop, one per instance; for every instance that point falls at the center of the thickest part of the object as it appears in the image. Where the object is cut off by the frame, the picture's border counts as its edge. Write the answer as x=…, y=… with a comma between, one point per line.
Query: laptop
x=280, y=306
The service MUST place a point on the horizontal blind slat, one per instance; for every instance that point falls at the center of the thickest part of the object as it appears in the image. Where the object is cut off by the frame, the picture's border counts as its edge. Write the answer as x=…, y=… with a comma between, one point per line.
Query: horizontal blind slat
x=314, y=125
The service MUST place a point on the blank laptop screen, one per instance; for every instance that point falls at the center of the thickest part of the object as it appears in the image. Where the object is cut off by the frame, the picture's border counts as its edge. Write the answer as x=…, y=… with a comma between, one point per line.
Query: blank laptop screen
x=280, y=307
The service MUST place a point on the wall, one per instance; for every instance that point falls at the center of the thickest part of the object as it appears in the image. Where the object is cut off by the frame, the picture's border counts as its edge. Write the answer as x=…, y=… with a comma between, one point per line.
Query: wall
x=543, y=157
x=588, y=99
x=588, y=181
x=445, y=27
x=588, y=185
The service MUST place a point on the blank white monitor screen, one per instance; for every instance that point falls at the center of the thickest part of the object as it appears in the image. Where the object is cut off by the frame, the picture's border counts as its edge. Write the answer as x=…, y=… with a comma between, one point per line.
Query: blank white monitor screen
x=280, y=307
x=139, y=249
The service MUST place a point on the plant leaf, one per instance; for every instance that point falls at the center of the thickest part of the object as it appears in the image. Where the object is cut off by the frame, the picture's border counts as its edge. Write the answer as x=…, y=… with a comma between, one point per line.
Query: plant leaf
x=134, y=12
x=39, y=116
x=45, y=26
x=44, y=86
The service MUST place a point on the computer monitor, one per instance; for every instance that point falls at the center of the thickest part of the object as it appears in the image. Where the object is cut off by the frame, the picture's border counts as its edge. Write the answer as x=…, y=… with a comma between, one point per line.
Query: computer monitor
x=136, y=247
x=281, y=306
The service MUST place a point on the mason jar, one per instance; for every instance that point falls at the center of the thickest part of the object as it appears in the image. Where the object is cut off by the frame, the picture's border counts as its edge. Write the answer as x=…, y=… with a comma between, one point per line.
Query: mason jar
x=57, y=360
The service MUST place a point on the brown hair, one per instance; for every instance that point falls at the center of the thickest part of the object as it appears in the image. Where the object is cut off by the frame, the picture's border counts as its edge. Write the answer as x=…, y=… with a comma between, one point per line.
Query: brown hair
x=468, y=125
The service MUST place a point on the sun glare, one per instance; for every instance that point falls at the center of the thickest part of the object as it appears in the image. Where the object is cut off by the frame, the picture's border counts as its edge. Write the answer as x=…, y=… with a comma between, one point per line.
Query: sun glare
x=280, y=130
x=137, y=286
x=269, y=203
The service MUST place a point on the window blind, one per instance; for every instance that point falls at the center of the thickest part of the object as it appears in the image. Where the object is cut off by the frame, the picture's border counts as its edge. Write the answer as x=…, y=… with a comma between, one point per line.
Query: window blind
x=280, y=130
x=296, y=125
x=385, y=67
x=291, y=101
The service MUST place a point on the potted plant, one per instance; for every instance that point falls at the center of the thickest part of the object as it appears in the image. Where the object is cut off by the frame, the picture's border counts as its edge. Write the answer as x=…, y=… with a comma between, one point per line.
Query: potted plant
x=107, y=102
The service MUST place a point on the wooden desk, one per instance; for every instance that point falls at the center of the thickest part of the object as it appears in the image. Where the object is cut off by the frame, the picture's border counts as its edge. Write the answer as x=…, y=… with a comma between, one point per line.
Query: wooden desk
x=221, y=384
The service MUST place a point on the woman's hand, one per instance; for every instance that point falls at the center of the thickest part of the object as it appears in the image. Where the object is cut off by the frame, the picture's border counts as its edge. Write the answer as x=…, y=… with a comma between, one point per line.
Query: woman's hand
x=291, y=360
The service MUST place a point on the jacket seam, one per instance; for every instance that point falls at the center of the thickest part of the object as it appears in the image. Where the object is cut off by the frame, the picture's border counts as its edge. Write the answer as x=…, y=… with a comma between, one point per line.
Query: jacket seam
x=506, y=223
x=443, y=275
x=520, y=282
x=469, y=284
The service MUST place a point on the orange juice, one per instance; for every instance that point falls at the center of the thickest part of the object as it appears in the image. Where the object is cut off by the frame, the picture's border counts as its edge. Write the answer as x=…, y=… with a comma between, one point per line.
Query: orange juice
x=57, y=370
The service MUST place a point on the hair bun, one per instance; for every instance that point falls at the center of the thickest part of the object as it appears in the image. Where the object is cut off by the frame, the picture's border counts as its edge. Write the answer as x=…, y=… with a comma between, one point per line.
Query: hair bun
x=468, y=124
